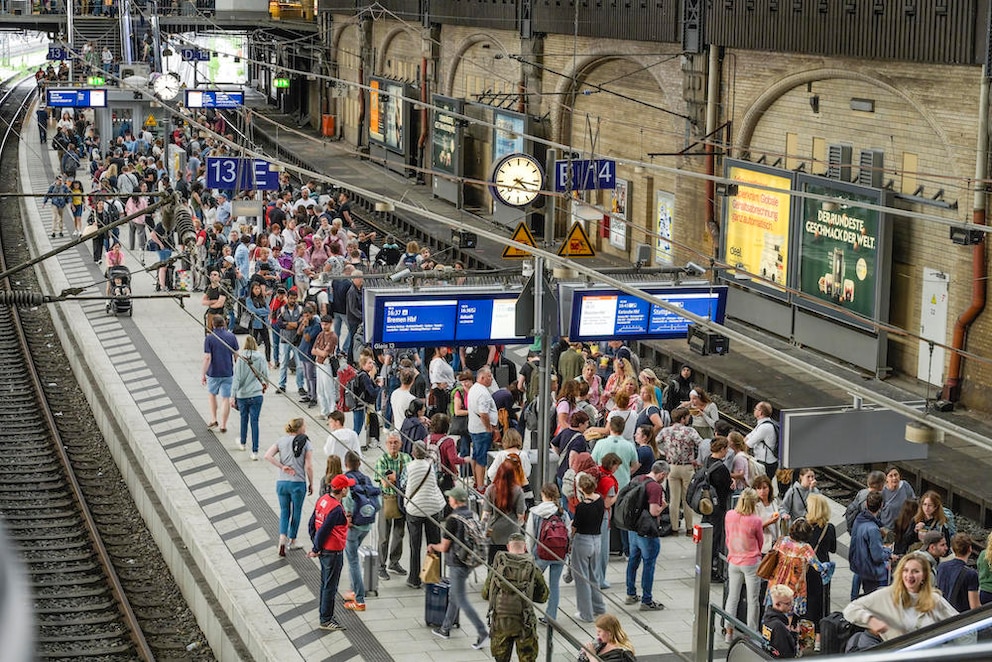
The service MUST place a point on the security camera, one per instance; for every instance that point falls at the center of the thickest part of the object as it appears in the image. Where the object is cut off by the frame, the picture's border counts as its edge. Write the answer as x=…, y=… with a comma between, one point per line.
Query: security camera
x=399, y=275
x=694, y=269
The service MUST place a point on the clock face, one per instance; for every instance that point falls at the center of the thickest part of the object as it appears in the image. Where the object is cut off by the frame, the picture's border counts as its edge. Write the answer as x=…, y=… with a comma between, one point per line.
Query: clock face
x=517, y=180
x=167, y=86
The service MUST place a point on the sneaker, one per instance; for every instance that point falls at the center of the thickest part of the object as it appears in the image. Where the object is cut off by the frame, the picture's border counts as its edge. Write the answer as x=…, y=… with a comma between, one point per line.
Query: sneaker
x=333, y=626
x=242, y=447
x=568, y=576
x=354, y=606
x=605, y=586
x=303, y=392
x=305, y=398
x=481, y=642
x=416, y=585
x=632, y=600
x=281, y=389
x=440, y=632
x=383, y=574
x=652, y=606
x=350, y=595
x=254, y=457
x=397, y=569
x=579, y=618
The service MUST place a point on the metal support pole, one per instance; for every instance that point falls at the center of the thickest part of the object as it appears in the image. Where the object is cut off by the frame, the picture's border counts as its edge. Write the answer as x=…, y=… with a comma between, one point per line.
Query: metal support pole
x=702, y=535
x=543, y=395
x=549, y=204
x=68, y=37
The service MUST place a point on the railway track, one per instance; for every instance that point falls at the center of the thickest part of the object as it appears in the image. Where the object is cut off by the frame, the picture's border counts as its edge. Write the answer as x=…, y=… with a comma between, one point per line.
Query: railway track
x=99, y=586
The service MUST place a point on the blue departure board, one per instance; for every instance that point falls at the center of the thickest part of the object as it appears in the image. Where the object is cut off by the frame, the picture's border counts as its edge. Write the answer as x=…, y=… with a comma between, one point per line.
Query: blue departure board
x=443, y=319
x=611, y=314
x=214, y=99
x=88, y=98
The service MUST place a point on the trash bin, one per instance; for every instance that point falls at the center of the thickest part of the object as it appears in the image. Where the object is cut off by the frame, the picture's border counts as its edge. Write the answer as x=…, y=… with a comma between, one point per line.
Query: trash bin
x=327, y=126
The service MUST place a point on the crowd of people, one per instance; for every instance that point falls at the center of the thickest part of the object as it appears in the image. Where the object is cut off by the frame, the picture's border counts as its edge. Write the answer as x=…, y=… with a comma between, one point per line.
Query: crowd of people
x=639, y=455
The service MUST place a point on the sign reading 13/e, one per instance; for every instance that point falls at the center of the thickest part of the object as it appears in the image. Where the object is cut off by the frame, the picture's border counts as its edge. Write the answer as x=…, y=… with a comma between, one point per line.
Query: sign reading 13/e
x=245, y=174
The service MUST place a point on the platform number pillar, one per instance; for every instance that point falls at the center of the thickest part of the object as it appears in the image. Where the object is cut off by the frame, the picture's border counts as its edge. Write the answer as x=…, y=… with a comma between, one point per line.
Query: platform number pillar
x=702, y=536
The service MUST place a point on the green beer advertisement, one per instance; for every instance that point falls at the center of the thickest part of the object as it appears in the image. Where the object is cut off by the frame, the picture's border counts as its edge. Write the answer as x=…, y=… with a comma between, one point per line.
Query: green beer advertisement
x=839, y=259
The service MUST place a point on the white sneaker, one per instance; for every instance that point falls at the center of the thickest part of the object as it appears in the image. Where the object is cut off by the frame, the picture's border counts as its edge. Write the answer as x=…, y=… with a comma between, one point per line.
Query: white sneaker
x=254, y=457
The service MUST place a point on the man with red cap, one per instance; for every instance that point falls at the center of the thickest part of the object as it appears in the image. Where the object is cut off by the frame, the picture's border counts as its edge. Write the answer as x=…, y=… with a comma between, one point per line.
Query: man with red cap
x=329, y=532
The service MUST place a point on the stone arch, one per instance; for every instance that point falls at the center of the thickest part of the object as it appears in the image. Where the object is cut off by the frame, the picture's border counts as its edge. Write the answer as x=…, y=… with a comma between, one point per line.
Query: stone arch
x=463, y=47
x=388, y=40
x=583, y=68
x=756, y=111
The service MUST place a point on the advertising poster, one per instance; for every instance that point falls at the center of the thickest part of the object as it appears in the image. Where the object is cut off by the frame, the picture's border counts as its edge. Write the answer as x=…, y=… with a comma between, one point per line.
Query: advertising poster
x=618, y=207
x=839, y=255
x=509, y=135
x=664, y=204
x=386, y=114
x=444, y=136
x=757, y=227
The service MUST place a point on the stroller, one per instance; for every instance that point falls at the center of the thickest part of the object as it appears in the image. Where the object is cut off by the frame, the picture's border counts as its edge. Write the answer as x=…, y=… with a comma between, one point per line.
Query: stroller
x=119, y=288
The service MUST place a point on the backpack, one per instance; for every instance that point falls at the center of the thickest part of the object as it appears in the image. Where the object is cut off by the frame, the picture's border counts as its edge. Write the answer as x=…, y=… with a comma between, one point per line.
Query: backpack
x=630, y=503
x=517, y=571
x=700, y=493
x=472, y=552
x=552, y=539
x=347, y=399
x=853, y=508
x=366, y=498
x=753, y=468
x=476, y=356
x=568, y=483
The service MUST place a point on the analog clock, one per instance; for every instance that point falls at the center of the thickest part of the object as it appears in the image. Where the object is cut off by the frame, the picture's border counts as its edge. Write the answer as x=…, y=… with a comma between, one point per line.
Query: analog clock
x=167, y=86
x=517, y=180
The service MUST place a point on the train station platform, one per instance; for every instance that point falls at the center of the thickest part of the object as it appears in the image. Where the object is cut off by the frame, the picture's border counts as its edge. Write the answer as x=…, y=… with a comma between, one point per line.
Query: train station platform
x=215, y=512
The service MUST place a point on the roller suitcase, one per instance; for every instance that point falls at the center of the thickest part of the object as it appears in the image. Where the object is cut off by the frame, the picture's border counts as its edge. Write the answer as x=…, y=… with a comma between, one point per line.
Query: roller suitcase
x=436, y=603
x=368, y=558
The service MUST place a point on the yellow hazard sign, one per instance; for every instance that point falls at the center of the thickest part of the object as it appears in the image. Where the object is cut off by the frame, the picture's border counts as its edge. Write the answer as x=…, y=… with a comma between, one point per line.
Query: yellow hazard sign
x=523, y=235
x=150, y=121
x=577, y=243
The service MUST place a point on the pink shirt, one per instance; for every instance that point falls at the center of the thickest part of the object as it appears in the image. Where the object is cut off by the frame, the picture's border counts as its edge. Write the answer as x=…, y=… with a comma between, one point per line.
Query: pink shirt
x=115, y=258
x=744, y=538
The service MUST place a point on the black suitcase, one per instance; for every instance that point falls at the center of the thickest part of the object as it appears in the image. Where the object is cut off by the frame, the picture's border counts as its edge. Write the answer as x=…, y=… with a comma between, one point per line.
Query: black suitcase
x=436, y=603
x=616, y=544
x=835, y=631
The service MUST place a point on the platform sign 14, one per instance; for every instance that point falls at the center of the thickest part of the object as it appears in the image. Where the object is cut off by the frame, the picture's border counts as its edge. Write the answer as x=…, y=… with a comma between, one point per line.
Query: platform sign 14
x=585, y=175
x=243, y=174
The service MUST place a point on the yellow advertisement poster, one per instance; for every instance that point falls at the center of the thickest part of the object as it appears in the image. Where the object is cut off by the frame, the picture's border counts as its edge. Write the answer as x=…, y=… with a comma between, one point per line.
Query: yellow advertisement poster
x=375, y=117
x=757, y=229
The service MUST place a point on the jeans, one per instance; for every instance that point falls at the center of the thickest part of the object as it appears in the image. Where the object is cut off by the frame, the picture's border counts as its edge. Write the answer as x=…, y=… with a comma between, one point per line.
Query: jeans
x=458, y=601
x=358, y=419
x=330, y=577
x=855, y=586
x=310, y=374
x=585, y=568
x=645, y=549
x=390, y=539
x=554, y=581
x=249, y=409
x=416, y=527
x=342, y=331
x=355, y=537
x=748, y=575
x=287, y=351
x=276, y=344
x=291, y=494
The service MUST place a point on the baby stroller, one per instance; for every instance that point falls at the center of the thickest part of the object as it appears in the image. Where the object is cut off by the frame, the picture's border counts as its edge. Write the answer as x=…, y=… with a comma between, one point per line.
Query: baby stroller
x=119, y=288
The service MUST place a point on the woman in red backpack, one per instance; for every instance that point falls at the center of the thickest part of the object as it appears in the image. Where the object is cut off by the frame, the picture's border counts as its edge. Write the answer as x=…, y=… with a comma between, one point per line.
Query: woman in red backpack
x=546, y=526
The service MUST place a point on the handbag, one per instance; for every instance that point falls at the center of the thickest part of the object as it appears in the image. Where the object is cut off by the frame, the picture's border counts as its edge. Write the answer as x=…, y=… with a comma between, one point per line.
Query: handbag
x=459, y=426
x=430, y=572
x=766, y=569
x=390, y=507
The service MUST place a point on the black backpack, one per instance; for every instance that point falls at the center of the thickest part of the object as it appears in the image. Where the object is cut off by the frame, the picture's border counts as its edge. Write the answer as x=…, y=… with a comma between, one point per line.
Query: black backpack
x=630, y=503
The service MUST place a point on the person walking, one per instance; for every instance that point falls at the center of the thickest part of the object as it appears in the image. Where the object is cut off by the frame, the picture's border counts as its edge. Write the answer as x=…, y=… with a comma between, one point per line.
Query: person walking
x=589, y=514
x=250, y=380
x=58, y=195
x=292, y=455
x=217, y=373
x=512, y=621
x=41, y=115
x=455, y=528
x=329, y=532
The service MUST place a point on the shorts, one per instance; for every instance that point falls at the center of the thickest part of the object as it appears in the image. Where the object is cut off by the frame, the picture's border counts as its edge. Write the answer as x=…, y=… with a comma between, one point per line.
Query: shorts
x=481, y=442
x=220, y=386
x=164, y=254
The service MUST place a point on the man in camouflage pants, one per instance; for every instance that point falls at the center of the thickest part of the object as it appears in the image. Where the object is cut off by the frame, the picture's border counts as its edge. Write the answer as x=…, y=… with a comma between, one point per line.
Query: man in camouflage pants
x=511, y=618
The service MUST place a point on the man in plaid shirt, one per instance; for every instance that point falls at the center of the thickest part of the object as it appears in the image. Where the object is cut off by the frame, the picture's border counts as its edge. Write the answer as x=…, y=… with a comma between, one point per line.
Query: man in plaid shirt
x=388, y=470
x=680, y=443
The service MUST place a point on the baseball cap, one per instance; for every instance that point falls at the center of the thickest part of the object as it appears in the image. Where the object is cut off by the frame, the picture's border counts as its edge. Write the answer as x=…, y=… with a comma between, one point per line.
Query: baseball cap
x=229, y=259
x=458, y=493
x=341, y=481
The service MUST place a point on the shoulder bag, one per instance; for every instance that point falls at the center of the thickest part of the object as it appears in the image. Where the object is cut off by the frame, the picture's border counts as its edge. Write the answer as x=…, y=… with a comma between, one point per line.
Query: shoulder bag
x=766, y=569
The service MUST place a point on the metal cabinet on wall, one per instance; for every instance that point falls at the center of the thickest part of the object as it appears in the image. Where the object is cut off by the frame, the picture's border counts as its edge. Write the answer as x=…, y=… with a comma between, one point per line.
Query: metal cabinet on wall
x=636, y=20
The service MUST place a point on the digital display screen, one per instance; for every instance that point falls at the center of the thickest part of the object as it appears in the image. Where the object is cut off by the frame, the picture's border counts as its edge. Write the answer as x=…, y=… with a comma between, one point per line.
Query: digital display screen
x=77, y=98
x=214, y=99
x=611, y=314
x=432, y=320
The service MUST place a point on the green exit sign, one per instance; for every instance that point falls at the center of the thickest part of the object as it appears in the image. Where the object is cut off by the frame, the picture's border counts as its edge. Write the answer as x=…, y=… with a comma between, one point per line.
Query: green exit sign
x=95, y=80
x=280, y=82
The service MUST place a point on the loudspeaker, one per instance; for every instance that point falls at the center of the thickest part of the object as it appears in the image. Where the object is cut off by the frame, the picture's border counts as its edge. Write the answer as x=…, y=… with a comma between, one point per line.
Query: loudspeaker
x=464, y=239
x=706, y=342
x=642, y=254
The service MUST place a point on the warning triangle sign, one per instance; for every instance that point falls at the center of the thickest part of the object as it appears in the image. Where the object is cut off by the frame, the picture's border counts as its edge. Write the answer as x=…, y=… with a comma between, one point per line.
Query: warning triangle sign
x=576, y=243
x=150, y=121
x=523, y=235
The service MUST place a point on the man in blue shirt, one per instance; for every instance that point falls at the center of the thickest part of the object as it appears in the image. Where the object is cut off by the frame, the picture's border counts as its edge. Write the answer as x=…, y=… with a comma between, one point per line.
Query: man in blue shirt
x=217, y=374
x=224, y=211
